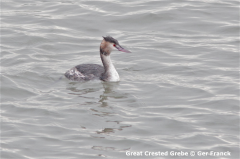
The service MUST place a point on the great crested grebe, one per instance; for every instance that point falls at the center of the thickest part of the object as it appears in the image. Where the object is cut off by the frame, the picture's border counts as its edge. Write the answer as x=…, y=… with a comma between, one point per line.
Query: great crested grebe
x=107, y=72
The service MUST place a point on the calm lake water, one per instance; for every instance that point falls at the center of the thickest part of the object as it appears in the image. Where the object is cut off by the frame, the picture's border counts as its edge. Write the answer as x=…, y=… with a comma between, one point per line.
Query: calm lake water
x=179, y=88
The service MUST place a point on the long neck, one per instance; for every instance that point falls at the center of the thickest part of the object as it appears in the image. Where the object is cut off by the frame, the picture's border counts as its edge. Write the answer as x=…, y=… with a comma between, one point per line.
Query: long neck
x=110, y=73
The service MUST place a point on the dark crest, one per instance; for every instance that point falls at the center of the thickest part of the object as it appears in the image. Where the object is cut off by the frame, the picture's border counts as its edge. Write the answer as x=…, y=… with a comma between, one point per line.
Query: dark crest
x=110, y=39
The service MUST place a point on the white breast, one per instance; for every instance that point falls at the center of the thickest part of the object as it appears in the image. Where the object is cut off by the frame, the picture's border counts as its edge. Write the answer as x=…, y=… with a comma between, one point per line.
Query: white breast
x=113, y=75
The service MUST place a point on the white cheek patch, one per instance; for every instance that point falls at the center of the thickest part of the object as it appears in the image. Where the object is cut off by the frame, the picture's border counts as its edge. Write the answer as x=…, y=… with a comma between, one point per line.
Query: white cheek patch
x=110, y=47
x=113, y=47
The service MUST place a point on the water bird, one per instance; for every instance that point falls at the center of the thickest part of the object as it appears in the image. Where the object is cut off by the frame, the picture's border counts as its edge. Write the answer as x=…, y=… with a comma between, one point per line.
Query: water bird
x=107, y=72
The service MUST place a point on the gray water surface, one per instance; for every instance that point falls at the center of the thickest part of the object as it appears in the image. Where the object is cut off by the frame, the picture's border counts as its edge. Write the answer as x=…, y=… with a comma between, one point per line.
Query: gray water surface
x=179, y=88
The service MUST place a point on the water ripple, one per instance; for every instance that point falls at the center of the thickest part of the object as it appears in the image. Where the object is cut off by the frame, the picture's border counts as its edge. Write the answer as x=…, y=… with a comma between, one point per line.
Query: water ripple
x=179, y=87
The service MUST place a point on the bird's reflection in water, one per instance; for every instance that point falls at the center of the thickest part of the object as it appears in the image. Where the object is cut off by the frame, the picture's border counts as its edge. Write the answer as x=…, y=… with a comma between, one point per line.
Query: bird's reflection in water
x=104, y=108
x=103, y=99
x=109, y=91
x=82, y=91
x=106, y=111
x=106, y=130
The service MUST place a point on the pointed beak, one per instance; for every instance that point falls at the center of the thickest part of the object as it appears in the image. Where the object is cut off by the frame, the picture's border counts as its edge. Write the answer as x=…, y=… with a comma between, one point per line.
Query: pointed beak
x=120, y=48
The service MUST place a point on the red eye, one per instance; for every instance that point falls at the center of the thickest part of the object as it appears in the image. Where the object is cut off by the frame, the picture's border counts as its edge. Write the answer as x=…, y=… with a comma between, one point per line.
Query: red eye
x=114, y=45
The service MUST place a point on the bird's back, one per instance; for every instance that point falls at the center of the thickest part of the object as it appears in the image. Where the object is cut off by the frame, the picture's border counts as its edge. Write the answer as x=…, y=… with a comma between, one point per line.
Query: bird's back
x=85, y=72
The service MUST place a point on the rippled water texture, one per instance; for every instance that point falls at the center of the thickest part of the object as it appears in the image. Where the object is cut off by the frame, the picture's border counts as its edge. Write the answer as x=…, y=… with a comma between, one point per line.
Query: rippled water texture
x=179, y=88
